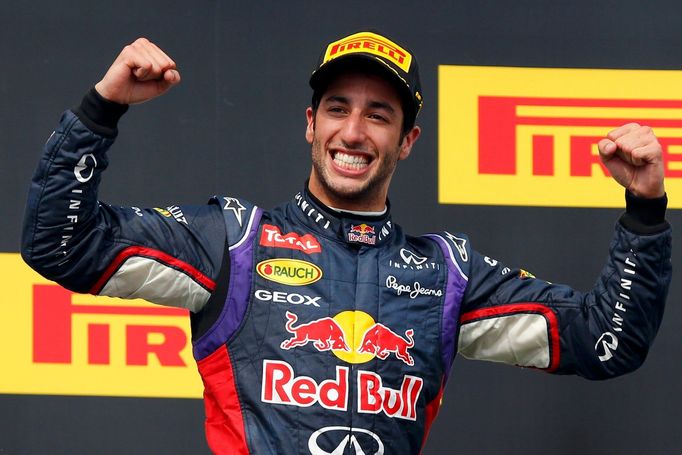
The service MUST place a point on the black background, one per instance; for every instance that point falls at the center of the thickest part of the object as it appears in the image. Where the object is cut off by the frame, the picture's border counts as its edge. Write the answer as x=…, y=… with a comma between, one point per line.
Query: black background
x=239, y=112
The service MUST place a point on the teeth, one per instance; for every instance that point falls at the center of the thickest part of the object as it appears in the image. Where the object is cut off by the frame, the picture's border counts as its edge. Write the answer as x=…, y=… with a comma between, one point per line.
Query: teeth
x=350, y=161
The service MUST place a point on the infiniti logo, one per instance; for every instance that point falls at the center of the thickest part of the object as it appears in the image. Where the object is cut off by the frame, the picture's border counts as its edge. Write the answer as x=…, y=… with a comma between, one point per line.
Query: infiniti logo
x=83, y=166
x=609, y=343
x=336, y=440
x=409, y=257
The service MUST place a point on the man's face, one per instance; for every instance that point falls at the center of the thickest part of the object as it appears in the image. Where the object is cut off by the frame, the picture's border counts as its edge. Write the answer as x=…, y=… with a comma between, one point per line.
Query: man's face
x=356, y=142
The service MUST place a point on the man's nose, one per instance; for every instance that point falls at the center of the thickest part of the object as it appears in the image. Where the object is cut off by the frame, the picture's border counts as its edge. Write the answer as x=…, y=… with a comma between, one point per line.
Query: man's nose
x=353, y=130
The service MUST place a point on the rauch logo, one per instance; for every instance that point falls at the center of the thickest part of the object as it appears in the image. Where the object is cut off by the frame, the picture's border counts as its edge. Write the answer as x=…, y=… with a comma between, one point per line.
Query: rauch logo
x=293, y=272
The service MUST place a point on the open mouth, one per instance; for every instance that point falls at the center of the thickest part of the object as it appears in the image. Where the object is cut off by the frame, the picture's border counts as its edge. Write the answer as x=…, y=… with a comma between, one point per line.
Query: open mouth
x=350, y=162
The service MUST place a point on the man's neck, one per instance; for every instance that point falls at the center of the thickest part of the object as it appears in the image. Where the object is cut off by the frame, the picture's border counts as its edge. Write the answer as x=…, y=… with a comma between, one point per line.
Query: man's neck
x=361, y=212
x=372, y=205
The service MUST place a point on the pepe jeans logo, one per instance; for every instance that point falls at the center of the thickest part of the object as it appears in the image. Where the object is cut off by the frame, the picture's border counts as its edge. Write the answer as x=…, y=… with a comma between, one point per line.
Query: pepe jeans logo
x=414, y=290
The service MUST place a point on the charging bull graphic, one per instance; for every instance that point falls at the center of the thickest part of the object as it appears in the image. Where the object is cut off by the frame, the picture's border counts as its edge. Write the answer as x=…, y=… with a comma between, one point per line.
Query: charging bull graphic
x=324, y=333
x=381, y=341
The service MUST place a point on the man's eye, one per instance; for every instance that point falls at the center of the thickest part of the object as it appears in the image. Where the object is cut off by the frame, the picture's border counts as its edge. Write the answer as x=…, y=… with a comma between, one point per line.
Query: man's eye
x=377, y=117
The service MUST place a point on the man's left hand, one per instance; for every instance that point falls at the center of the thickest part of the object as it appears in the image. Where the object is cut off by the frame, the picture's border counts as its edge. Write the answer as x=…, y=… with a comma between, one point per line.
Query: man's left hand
x=634, y=158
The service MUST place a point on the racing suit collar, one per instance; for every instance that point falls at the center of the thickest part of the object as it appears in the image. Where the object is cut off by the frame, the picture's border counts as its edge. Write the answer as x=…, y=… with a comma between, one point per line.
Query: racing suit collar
x=362, y=230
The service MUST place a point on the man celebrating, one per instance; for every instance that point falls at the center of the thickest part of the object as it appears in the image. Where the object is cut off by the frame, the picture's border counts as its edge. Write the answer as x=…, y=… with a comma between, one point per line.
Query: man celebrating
x=319, y=326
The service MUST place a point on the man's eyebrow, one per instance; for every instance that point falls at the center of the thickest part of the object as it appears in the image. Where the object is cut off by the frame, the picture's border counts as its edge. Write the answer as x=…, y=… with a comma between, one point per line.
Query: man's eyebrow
x=337, y=99
x=372, y=104
x=382, y=105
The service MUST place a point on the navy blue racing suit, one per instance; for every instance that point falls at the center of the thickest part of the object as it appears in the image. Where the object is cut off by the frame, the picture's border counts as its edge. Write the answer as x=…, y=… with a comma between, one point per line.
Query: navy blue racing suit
x=319, y=331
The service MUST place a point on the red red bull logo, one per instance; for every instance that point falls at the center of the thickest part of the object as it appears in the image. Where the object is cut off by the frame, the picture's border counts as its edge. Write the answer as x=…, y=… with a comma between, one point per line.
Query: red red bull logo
x=362, y=233
x=354, y=337
x=324, y=333
x=370, y=339
x=382, y=341
x=281, y=385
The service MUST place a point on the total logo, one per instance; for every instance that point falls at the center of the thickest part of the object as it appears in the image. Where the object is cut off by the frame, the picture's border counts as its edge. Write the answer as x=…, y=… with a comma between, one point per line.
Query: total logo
x=293, y=272
x=338, y=440
x=273, y=237
x=368, y=338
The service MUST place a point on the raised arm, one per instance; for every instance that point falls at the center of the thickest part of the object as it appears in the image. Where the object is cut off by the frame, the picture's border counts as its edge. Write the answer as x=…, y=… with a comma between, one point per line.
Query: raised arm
x=509, y=316
x=168, y=255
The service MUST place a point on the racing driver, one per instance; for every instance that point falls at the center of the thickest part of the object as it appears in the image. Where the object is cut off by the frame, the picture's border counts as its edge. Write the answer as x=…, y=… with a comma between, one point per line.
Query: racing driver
x=320, y=326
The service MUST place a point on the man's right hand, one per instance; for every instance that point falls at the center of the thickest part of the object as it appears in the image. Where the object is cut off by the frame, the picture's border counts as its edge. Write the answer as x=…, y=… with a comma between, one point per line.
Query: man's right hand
x=141, y=72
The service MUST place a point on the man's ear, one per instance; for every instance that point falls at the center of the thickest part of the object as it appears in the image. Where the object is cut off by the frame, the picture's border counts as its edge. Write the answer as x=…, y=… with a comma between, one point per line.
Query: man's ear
x=310, y=129
x=408, y=141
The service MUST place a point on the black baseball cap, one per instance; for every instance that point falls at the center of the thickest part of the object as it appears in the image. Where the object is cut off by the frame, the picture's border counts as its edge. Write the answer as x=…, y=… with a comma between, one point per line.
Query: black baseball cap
x=396, y=61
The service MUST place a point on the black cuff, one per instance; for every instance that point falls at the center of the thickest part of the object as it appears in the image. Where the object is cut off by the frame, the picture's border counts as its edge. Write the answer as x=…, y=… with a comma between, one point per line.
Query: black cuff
x=100, y=115
x=644, y=215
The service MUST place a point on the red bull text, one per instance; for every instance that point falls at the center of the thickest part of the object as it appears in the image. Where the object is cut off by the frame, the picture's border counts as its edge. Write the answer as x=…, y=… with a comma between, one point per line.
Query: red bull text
x=280, y=385
x=362, y=233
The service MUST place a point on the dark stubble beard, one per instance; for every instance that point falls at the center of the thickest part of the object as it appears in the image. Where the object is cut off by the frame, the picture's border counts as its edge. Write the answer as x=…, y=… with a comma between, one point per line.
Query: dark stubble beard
x=357, y=193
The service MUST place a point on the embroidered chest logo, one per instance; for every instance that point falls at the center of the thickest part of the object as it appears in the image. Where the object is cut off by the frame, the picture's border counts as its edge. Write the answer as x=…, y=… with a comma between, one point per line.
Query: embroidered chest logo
x=362, y=233
x=293, y=272
x=412, y=261
x=355, y=337
x=273, y=237
x=352, y=336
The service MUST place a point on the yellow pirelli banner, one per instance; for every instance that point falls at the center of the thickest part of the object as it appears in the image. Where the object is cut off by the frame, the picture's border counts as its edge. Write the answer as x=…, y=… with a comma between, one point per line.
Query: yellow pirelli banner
x=56, y=342
x=528, y=136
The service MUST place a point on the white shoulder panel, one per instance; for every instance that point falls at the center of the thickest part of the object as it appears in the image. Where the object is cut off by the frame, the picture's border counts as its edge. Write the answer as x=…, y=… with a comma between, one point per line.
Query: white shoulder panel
x=518, y=339
x=144, y=278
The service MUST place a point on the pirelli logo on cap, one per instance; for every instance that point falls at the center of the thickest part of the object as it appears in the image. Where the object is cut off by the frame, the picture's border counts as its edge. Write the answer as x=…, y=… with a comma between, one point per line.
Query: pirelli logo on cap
x=370, y=43
x=528, y=136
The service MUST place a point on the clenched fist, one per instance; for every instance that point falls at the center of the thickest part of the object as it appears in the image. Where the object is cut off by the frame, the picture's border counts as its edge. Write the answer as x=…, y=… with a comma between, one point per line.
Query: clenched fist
x=634, y=158
x=141, y=72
